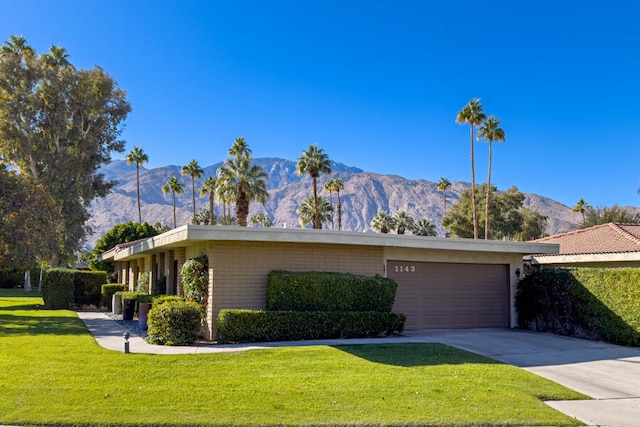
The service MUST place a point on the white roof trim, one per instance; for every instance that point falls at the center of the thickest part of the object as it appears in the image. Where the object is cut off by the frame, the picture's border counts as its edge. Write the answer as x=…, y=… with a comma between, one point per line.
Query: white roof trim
x=186, y=234
x=580, y=258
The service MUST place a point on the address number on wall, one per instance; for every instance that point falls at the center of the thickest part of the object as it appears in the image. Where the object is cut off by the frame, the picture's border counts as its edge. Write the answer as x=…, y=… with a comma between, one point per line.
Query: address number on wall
x=405, y=268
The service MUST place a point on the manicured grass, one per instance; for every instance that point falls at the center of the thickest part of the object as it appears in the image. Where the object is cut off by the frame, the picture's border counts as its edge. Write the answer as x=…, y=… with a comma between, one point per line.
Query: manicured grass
x=52, y=372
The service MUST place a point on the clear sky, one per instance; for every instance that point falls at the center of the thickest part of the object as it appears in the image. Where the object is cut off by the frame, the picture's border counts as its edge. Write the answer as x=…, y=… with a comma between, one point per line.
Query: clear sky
x=377, y=84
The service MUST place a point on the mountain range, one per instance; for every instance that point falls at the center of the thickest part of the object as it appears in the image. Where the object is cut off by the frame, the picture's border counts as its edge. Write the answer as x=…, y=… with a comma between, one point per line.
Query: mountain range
x=364, y=195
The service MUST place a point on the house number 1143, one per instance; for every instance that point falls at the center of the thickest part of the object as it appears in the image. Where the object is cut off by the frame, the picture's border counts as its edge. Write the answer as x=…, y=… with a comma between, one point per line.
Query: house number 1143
x=405, y=268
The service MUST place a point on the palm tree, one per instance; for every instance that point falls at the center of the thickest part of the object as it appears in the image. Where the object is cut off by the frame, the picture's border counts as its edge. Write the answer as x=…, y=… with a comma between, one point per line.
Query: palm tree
x=337, y=186
x=308, y=211
x=243, y=182
x=239, y=148
x=137, y=156
x=490, y=131
x=209, y=187
x=194, y=170
x=17, y=45
x=424, y=227
x=175, y=187
x=473, y=115
x=402, y=222
x=581, y=206
x=330, y=187
x=314, y=162
x=56, y=58
x=261, y=219
x=443, y=185
x=382, y=222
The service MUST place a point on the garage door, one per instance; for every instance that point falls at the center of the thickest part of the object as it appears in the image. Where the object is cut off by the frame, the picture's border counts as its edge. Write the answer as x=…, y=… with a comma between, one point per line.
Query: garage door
x=447, y=295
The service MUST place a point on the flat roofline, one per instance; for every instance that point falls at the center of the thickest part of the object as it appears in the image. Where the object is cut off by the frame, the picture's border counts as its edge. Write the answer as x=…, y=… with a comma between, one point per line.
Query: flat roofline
x=182, y=236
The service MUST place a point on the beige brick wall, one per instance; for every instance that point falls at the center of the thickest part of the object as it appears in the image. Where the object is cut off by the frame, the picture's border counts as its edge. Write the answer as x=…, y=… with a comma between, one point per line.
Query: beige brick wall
x=239, y=270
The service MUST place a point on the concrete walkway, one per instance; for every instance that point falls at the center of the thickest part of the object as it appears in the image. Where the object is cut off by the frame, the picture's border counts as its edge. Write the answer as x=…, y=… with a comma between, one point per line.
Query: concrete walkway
x=608, y=373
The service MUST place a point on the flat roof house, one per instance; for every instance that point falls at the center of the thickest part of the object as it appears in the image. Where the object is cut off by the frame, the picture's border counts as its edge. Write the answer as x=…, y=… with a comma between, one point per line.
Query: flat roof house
x=442, y=282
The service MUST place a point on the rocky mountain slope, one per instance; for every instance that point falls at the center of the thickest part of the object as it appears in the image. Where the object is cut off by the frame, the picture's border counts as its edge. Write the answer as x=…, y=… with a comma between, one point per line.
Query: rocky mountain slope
x=364, y=195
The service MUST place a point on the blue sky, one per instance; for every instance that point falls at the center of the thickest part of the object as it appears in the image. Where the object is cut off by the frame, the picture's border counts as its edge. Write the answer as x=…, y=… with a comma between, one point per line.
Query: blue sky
x=376, y=84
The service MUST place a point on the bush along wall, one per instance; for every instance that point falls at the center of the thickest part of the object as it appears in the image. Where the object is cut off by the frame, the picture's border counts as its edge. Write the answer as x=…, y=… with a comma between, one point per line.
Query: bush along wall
x=108, y=289
x=592, y=303
x=315, y=305
x=174, y=323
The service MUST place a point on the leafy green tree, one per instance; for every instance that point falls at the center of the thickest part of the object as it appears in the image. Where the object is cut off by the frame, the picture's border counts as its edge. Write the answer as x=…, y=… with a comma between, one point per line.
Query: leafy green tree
x=139, y=157
x=120, y=233
x=311, y=209
x=241, y=181
x=508, y=216
x=424, y=227
x=604, y=215
x=382, y=222
x=314, y=162
x=209, y=187
x=582, y=206
x=59, y=125
x=261, y=219
x=534, y=225
x=194, y=170
x=175, y=187
x=27, y=231
x=490, y=131
x=443, y=185
x=472, y=114
x=402, y=222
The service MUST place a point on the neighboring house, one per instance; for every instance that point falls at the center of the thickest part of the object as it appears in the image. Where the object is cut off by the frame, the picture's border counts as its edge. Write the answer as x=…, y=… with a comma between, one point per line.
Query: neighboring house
x=442, y=283
x=606, y=245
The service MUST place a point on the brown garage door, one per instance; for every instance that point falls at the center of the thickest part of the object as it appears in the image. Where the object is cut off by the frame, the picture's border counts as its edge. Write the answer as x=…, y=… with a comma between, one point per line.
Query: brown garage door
x=447, y=295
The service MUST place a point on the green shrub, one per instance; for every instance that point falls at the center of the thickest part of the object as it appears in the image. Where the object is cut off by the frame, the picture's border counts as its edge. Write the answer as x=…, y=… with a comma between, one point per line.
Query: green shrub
x=164, y=299
x=593, y=303
x=108, y=289
x=143, y=283
x=195, y=279
x=263, y=326
x=174, y=323
x=57, y=289
x=320, y=291
x=87, y=287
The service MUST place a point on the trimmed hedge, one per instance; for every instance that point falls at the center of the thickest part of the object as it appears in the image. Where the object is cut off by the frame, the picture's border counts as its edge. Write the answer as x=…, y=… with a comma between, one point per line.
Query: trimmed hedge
x=174, y=323
x=57, y=289
x=139, y=297
x=65, y=287
x=262, y=326
x=322, y=291
x=592, y=303
x=108, y=289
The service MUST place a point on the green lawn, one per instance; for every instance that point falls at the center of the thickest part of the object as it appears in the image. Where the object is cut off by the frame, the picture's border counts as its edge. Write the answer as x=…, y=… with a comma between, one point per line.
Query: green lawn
x=52, y=372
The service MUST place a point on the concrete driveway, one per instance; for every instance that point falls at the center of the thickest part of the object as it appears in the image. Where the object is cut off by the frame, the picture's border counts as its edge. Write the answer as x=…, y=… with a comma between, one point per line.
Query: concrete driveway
x=608, y=373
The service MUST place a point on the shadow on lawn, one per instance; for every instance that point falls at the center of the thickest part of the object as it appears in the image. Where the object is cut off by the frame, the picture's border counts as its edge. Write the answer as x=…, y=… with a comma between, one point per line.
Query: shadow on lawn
x=414, y=354
x=40, y=325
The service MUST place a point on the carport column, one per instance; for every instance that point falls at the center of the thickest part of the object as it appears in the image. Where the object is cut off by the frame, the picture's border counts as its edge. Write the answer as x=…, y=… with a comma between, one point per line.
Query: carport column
x=180, y=254
x=133, y=271
x=169, y=272
x=153, y=276
x=210, y=321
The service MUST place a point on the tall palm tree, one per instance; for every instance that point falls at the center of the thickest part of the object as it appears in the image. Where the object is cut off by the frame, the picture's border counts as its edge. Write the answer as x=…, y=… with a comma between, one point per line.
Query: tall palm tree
x=261, y=219
x=490, y=131
x=330, y=187
x=56, y=58
x=314, y=161
x=403, y=222
x=581, y=206
x=424, y=227
x=175, y=187
x=239, y=148
x=17, y=45
x=139, y=157
x=473, y=115
x=382, y=222
x=443, y=185
x=209, y=187
x=308, y=211
x=194, y=170
x=337, y=187
x=243, y=182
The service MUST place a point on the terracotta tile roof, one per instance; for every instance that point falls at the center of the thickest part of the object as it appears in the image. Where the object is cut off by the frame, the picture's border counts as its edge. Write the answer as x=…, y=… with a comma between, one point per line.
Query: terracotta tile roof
x=605, y=238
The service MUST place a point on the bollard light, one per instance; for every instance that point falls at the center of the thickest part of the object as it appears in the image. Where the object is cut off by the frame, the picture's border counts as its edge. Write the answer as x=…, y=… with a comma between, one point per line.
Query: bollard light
x=126, y=336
